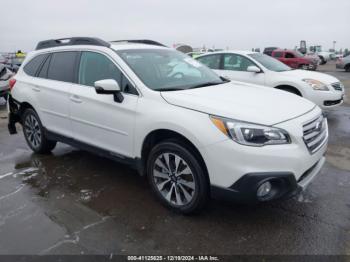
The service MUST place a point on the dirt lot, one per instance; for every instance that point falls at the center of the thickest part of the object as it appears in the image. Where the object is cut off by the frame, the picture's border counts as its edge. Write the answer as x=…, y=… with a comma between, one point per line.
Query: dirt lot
x=72, y=202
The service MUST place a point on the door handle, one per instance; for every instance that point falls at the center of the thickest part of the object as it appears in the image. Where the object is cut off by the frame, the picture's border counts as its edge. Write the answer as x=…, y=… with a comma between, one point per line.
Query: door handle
x=36, y=88
x=76, y=99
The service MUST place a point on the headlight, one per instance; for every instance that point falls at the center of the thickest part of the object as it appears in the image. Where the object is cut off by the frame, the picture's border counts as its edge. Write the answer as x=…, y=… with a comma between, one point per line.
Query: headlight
x=251, y=134
x=316, y=85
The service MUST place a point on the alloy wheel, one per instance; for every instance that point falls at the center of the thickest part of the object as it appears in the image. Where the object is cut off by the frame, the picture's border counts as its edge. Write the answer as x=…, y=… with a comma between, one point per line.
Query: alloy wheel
x=174, y=179
x=32, y=130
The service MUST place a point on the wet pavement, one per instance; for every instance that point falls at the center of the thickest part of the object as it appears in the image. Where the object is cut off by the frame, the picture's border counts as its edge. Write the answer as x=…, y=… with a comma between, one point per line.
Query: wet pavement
x=73, y=202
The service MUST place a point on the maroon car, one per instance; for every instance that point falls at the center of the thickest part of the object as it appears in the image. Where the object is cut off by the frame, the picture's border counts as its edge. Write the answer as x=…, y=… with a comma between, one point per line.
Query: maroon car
x=295, y=59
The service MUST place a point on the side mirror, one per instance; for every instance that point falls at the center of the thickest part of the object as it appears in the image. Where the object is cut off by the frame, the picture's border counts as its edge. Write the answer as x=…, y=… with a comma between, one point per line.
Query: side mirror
x=253, y=69
x=109, y=87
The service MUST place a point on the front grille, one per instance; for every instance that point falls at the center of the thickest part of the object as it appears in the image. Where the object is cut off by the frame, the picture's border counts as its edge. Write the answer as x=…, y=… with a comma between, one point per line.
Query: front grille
x=315, y=133
x=338, y=86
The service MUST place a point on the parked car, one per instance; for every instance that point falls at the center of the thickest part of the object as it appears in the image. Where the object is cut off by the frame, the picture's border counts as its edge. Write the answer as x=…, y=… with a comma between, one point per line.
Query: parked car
x=14, y=63
x=343, y=63
x=295, y=59
x=324, y=90
x=5, y=75
x=193, y=134
x=269, y=50
x=323, y=55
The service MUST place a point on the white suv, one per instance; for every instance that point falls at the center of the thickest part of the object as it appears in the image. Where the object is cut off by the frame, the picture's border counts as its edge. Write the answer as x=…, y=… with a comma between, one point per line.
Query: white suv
x=324, y=90
x=192, y=133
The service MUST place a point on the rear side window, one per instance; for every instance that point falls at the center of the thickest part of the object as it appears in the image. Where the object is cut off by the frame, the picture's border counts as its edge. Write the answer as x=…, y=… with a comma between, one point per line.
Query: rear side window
x=32, y=67
x=62, y=66
x=277, y=54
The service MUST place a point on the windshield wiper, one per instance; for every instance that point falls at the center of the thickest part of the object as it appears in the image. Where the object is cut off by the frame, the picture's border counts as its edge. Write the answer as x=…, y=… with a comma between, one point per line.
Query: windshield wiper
x=170, y=89
x=207, y=84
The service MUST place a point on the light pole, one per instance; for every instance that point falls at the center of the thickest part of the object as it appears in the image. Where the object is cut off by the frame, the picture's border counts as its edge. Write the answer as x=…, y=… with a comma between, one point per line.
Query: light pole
x=334, y=42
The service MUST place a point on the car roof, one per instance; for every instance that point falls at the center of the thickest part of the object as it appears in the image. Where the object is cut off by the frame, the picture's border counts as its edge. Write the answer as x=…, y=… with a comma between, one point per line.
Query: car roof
x=114, y=46
x=126, y=46
x=239, y=52
x=283, y=50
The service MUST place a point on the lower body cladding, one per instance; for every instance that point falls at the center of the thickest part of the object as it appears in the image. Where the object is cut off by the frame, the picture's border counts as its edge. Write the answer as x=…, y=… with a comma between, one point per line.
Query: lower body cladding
x=255, y=174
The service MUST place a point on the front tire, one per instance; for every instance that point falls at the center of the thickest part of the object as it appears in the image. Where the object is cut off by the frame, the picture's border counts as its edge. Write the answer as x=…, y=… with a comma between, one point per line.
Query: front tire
x=177, y=178
x=347, y=68
x=34, y=133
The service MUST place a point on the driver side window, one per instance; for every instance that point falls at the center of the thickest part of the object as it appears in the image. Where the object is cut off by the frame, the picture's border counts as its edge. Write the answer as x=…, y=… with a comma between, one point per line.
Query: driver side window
x=236, y=62
x=94, y=67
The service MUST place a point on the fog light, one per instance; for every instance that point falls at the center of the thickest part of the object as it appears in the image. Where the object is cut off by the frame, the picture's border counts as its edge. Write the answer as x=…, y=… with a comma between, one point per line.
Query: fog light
x=264, y=189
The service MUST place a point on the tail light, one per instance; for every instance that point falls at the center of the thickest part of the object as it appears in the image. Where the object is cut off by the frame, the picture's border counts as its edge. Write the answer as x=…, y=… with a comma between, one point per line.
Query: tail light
x=12, y=83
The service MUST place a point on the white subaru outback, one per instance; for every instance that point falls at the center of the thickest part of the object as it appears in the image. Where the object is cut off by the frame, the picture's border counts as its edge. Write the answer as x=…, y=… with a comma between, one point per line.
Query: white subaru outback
x=193, y=134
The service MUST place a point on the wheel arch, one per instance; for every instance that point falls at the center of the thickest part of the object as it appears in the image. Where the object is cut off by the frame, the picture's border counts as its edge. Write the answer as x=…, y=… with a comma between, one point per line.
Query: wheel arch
x=158, y=135
x=290, y=87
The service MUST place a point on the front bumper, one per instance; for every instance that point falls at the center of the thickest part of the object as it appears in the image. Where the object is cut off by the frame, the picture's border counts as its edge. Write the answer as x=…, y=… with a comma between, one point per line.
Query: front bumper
x=328, y=99
x=284, y=185
x=293, y=166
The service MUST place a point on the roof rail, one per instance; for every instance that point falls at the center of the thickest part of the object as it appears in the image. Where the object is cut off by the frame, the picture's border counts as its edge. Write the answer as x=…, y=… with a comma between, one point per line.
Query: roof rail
x=141, y=41
x=72, y=41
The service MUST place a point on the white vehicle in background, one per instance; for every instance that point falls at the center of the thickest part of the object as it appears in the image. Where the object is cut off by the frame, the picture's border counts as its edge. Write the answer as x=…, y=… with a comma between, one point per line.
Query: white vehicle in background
x=323, y=55
x=193, y=134
x=245, y=66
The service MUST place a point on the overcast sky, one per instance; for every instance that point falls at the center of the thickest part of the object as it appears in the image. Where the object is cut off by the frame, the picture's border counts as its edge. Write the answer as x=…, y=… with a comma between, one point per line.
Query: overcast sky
x=237, y=24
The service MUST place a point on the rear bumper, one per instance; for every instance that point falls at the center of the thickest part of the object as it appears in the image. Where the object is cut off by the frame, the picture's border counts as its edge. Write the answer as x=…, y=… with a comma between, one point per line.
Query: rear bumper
x=14, y=115
x=284, y=185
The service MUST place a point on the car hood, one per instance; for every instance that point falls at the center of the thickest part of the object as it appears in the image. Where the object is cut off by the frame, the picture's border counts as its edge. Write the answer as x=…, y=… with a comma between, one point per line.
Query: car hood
x=241, y=101
x=302, y=74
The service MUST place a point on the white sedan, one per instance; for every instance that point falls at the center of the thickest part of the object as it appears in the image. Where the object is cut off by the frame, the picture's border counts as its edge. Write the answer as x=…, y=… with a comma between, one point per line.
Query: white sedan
x=324, y=90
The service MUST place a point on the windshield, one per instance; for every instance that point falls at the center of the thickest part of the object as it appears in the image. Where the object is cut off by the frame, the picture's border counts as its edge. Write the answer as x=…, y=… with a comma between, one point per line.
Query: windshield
x=270, y=63
x=166, y=69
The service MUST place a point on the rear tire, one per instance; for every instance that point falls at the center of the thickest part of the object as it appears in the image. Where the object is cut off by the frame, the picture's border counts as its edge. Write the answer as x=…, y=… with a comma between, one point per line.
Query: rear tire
x=34, y=133
x=177, y=178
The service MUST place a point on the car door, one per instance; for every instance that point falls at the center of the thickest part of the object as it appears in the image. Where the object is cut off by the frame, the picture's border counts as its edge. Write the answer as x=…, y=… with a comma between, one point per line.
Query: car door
x=234, y=66
x=97, y=119
x=53, y=83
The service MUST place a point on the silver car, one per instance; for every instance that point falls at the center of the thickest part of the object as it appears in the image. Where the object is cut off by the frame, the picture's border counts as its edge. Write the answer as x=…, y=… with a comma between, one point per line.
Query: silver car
x=344, y=63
